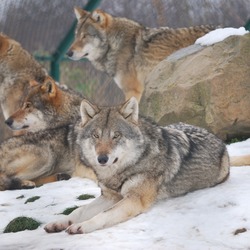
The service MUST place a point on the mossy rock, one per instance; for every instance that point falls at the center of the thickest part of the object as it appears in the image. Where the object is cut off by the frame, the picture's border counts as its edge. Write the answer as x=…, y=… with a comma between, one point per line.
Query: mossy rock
x=20, y=224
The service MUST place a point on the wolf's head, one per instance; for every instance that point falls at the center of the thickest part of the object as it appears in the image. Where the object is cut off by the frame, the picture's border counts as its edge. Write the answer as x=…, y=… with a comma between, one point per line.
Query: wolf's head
x=110, y=137
x=39, y=107
x=90, y=35
x=14, y=59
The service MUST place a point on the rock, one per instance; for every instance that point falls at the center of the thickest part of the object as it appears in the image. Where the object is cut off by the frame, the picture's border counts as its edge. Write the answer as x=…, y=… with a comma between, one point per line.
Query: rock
x=204, y=86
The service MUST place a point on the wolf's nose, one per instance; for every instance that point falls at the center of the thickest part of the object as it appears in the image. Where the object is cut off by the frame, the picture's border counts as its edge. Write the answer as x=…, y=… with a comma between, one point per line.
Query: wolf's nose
x=69, y=53
x=9, y=122
x=103, y=159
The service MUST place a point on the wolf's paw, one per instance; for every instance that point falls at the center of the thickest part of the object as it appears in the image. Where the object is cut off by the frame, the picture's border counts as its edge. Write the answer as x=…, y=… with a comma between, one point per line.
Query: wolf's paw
x=55, y=227
x=75, y=229
x=28, y=184
x=82, y=228
x=63, y=176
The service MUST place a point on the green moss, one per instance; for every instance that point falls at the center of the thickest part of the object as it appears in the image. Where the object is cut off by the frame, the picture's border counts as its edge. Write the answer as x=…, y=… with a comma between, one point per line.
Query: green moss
x=69, y=210
x=20, y=197
x=236, y=139
x=20, y=224
x=32, y=199
x=85, y=197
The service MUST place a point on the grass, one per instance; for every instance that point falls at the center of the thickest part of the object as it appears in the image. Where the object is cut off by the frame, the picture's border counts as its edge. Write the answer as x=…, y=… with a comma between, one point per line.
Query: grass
x=20, y=224
x=32, y=199
x=236, y=139
x=69, y=210
x=85, y=197
x=20, y=197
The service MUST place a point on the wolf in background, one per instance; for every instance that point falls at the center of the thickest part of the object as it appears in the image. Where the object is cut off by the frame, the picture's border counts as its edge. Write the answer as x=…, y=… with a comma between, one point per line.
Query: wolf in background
x=17, y=68
x=126, y=50
x=44, y=154
x=45, y=106
x=138, y=163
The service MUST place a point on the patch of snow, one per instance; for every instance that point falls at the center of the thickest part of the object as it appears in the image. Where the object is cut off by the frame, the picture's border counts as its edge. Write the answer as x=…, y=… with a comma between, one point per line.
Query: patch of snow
x=219, y=35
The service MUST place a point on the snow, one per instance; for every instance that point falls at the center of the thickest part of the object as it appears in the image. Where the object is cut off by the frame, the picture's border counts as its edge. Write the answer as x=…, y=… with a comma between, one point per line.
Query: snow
x=219, y=35
x=204, y=219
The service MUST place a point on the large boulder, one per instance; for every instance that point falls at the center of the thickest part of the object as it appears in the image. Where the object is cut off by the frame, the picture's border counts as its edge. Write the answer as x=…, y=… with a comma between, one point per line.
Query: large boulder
x=204, y=86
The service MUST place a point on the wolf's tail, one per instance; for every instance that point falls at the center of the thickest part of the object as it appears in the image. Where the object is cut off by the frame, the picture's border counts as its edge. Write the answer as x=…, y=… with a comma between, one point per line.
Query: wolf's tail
x=12, y=183
x=242, y=160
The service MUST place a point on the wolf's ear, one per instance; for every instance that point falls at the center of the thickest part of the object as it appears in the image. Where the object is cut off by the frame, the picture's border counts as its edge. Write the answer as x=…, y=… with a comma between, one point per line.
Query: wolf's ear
x=88, y=111
x=33, y=83
x=4, y=44
x=99, y=16
x=49, y=86
x=130, y=110
x=80, y=12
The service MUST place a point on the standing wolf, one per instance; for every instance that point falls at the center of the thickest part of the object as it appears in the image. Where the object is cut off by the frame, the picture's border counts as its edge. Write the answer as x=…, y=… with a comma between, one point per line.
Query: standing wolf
x=126, y=50
x=138, y=163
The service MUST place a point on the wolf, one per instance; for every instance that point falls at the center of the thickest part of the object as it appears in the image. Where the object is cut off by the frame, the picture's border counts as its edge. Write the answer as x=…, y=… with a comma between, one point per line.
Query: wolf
x=36, y=158
x=138, y=162
x=242, y=160
x=126, y=50
x=45, y=106
x=17, y=68
x=43, y=154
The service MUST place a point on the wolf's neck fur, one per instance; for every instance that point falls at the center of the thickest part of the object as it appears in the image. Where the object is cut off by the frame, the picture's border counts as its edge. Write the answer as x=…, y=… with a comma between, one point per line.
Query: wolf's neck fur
x=67, y=108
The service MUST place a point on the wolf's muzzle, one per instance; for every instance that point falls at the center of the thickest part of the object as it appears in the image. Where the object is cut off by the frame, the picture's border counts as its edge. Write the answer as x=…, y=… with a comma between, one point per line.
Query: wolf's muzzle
x=102, y=159
x=9, y=122
x=69, y=53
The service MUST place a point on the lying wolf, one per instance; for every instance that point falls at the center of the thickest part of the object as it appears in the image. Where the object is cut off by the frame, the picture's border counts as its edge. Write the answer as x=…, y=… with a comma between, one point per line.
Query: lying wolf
x=138, y=163
x=126, y=50
x=17, y=68
x=45, y=153
x=45, y=106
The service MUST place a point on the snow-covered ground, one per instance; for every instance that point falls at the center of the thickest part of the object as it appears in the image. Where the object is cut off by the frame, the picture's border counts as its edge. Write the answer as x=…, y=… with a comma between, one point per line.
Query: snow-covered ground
x=205, y=219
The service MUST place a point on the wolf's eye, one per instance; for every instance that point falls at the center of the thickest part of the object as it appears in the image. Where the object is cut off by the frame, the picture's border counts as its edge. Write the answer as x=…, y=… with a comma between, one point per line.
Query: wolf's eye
x=83, y=35
x=95, y=135
x=27, y=105
x=117, y=135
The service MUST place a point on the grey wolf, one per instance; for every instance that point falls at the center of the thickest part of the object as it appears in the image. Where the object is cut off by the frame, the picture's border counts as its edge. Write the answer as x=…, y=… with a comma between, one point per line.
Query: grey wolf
x=126, y=50
x=138, y=162
x=17, y=68
x=45, y=106
x=36, y=158
x=45, y=153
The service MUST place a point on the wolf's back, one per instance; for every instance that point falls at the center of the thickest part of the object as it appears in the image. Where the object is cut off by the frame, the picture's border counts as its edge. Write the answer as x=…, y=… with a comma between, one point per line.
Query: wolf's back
x=175, y=39
x=201, y=159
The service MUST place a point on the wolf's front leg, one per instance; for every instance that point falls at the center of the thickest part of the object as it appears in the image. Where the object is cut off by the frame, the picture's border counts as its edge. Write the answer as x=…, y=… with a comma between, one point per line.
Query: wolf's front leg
x=81, y=214
x=136, y=201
